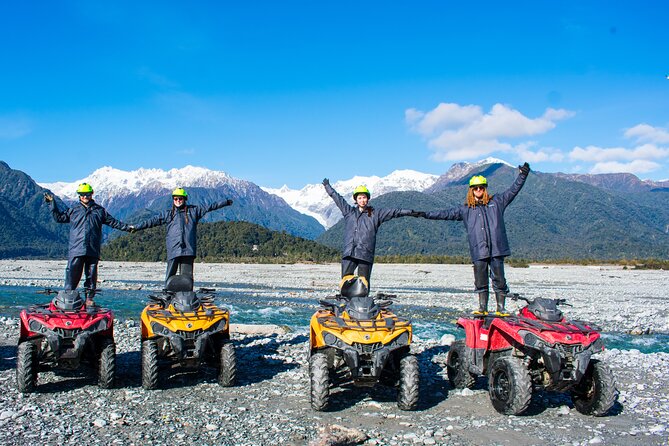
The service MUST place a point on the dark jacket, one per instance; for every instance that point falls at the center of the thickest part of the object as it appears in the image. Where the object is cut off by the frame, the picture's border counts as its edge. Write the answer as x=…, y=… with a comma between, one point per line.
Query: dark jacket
x=86, y=227
x=360, y=228
x=181, y=227
x=486, y=232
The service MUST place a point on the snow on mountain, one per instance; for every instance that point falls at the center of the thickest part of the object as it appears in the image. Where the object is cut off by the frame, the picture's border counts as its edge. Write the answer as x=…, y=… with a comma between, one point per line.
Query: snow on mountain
x=312, y=199
x=110, y=183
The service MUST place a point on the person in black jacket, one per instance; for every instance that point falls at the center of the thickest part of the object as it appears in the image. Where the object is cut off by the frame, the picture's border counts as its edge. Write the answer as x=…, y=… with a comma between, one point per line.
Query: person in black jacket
x=361, y=222
x=86, y=219
x=181, y=221
x=483, y=217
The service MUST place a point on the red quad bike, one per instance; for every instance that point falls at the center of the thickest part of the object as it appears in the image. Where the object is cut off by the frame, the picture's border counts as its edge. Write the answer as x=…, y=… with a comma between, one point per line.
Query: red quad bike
x=536, y=349
x=65, y=334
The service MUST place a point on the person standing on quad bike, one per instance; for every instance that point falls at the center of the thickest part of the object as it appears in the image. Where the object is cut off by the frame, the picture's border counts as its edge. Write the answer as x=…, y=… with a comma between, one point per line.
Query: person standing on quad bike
x=86, y=219
x=483, y=217
x=181, y=221
x=361, y=222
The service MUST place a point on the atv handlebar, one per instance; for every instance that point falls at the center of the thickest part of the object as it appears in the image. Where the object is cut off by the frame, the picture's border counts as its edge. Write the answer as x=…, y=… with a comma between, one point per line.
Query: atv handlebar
x=48, y=291
x=516, y=296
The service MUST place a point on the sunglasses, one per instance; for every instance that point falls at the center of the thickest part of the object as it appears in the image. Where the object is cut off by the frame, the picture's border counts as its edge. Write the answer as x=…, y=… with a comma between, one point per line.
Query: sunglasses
x=86, y=195
x=178, y=198
x=478, y=187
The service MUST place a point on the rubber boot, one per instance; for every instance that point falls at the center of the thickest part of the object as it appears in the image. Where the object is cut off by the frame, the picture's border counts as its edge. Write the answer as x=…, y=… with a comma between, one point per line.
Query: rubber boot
x=501, y=300
x=483, y=304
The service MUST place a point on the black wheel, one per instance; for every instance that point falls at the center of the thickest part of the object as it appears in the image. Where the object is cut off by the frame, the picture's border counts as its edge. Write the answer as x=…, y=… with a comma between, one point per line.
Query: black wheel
x=319, y=375
x=409, y=383
x=597, y=392
x=107, y=366
x=26, y=367
x=149, y=364
x=457, y=366
x=227, y=375
x=509, y=386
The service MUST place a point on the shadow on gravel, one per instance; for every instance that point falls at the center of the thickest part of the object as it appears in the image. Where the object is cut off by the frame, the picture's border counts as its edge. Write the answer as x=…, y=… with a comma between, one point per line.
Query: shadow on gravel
x=259, y=359
x=434, y=380
x=7, y=357
x=129, y=369
x=66, y=380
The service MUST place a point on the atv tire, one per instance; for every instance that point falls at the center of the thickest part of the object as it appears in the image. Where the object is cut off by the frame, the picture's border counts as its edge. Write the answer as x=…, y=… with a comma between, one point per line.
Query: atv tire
x=409, y=383
x=26, y=367
x=227, y=375
x=107, y=366
x=509, y=385
x=319, y=375
x=457, y=367
x=150, y=364
x=596, y=393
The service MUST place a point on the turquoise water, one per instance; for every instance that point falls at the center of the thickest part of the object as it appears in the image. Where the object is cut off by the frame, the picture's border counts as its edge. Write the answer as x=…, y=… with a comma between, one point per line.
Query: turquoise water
x=259, y=305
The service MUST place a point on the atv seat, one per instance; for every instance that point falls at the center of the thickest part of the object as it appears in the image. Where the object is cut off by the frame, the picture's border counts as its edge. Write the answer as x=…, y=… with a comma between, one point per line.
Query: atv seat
x=179, y=283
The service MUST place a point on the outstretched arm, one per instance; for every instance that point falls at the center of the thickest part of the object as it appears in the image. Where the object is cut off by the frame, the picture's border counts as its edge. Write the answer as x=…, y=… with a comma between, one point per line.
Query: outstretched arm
x=389, y=214
x=447, y=214
x=158, y=220
x=341, y=203
x=116, y=224
x=508, y=196
x=201, y=210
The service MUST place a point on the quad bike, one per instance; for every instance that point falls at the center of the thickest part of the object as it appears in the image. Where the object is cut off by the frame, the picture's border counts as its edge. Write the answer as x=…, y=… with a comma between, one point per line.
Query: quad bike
x=183, y=328
x=65, y=334
x=356, y=339
x=536, y=349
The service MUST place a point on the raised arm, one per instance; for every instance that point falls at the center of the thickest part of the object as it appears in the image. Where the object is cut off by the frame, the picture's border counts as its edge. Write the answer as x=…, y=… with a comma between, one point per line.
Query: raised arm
x=341, y=203
x=201, y=210
x=58, y=215
x=508, y=196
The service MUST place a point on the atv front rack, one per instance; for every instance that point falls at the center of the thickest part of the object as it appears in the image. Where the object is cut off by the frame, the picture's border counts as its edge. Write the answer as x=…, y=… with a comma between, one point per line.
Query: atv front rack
x=560, y=327
x=162, y=314
x=388, y=323
x=46, y=310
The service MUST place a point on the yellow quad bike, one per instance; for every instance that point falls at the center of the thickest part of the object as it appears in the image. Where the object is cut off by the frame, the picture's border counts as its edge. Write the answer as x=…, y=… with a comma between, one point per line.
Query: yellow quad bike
x=183, y=328
x=356, y=339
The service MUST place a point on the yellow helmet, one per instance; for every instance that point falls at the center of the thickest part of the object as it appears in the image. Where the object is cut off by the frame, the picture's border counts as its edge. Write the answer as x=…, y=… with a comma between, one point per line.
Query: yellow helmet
x=85, y=188
x=180, y=192
x=478, y=180
x=361, y=190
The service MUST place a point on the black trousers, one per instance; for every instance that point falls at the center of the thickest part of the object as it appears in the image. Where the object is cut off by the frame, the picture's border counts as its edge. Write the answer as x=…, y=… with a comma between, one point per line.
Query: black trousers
x=492, y=267
x=78, y=265
x=183, y=265
x=349, y=264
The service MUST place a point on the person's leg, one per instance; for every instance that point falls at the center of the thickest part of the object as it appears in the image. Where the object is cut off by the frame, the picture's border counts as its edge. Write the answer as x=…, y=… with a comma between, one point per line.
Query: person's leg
x=499, y=284
x=73, y=270
x=186, y=266
x=348, y=266
x=365, y=270
x=172, y=267
x=481, y=284
x=91, y=274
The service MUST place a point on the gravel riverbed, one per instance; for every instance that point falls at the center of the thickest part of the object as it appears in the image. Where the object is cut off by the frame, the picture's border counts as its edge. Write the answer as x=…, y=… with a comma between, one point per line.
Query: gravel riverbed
x=270, y=403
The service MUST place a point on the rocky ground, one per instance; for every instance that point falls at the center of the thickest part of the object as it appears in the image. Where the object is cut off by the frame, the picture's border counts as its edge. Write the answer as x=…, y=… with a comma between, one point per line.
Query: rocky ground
x=270, y=404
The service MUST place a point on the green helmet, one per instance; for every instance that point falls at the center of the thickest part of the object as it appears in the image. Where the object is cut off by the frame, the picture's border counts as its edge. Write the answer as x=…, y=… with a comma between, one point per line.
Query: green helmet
x=361, y=190
x=85, y=188
x=478, y=180
x=180, y=192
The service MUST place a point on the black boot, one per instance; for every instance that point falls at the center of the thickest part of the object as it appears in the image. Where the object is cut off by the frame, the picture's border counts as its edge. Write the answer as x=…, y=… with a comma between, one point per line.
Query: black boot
x=501, y=300
x=483, y=304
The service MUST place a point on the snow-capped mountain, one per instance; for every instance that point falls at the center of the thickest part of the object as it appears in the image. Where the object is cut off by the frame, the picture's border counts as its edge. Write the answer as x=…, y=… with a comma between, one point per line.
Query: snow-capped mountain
x=313, y=201
x=461, y=171
x=134, y=195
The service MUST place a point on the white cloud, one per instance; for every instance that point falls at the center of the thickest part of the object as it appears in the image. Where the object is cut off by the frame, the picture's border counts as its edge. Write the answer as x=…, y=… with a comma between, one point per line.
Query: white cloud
x=635, y=167
x=542, y=154
x=647, y=133
x=14, y=127
x=602, y=155
x=458, y=132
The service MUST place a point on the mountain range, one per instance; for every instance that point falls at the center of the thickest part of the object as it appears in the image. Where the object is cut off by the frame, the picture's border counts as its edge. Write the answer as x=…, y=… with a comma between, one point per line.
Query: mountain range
x=556, y=215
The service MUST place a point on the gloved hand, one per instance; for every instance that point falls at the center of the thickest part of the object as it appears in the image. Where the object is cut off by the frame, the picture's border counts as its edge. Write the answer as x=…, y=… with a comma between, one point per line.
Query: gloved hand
x=418, y=214
x=132, y=229
x=326, y=181
x=48, y=197
x=524, y=169
x=228, y=202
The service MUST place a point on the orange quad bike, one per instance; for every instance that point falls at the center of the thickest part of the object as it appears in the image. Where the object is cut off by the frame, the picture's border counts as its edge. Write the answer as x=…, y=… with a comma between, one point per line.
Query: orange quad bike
x=355, y=339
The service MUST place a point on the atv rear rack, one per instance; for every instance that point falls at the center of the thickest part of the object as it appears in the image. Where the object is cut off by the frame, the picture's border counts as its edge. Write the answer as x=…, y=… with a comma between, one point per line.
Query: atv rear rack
x=386, y=323
x=560, y=327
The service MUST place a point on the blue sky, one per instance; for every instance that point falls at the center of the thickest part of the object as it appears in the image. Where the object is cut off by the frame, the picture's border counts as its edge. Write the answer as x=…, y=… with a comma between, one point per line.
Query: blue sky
x=290, y=92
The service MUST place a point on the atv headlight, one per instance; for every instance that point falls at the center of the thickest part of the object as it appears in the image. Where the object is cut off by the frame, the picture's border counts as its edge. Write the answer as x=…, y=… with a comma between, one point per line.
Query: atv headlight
x=36, y=326
x=330, y=339
x=159, y=328
x=218, y=326
x=532, y=340
x=400, y=341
